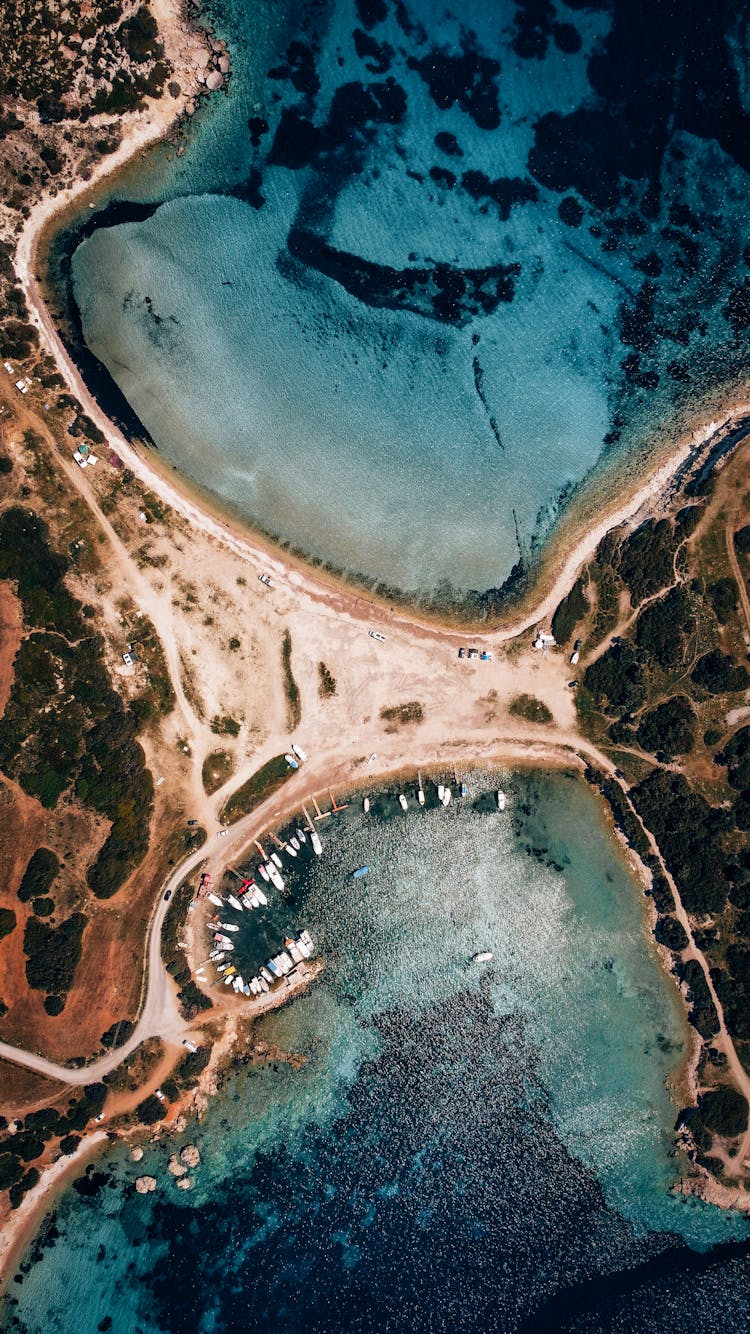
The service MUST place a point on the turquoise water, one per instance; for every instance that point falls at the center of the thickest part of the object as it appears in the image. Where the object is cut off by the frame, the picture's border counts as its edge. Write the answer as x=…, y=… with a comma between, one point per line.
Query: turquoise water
x=397, y=320
x=483, y=1148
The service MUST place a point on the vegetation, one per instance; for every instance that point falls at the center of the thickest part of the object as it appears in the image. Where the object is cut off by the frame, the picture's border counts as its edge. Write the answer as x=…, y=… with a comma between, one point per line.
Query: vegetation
x=669, y=729
x=724, y=1112
x=646, y=559
x=151, y=1110
x=190, y=996
x=223, y=726
x=52, y=953
x=327, y=685
x=7, y=922
x=615, y=681
x=571, y=611
x=688, y=831
x=533, y=710
x=268, y=779
x=291, y=689
x=720, y=674
x=401, y=714
x=724, y=598
x=64, y=726
x=217, y=768
x=39, y=1128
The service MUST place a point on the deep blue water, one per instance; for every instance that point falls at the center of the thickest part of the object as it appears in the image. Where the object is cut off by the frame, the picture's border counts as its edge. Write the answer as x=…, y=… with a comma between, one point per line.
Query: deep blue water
x=475, y=1148
x=422, y=270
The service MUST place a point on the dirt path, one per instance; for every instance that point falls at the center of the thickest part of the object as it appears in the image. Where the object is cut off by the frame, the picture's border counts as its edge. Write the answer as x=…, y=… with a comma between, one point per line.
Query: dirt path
x=729, y=531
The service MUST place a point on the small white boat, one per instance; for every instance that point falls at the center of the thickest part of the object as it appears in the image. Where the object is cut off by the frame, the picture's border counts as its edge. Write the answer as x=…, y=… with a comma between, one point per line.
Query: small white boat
x=295, y=843
x=260, y=896
x=265, y=976
x=215, y=899
x=288, y=848
x=403, y=803
x=234, y=902
x=295, y=952
x=286, y=961
x=222, y=968
x=366, y=805
x=216, y=954
x=228, y=926
x=317, y=846
x=306, y=939
x=484, y=956
x=276, y=879
x=299, y=752
x=447, y=794
x=500, y=799
x=264, y=985
x=301, y=835
x=420, y=796
x=440, y=792
x=275, y=858
x=264, y=873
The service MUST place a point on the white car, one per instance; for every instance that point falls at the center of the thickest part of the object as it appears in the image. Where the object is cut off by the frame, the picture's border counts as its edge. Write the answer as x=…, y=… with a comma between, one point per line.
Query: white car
x=375, y=634
x=266, y=579
x=299, y=752
x=222, y=833
x=190, y=1045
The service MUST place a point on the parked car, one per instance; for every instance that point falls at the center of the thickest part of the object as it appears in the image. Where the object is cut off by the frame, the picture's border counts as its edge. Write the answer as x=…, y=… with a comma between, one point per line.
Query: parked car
x=222, y=833
x=375, y=634
x=473, y=653
x=168, y=895
x=192, y=822
x=266, y=579
x=462, y=653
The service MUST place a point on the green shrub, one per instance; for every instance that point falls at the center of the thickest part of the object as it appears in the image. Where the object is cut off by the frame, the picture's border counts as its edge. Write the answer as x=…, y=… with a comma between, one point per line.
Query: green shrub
x=724, y=1111
x=669, y=728
x=571, y=611
x=327, y=685
x=41, y=870
x=54, y=1005
x=16, y=1193
x=53, y=953
x=688, y=832
x=412, y=712
x=724, y=598
x=7, y=922
x=10, y=1170
x=662, y=627
x=668, y=931
x=151, y=1110
x=615, y=681
x=646, y=559
x=720, y=674
x=533, y=710
x=291, y=689
x=268, y=779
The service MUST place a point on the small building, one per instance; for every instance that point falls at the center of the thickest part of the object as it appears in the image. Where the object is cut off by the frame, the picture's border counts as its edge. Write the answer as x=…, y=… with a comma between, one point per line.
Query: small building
x=79, y=459
x=22, y=386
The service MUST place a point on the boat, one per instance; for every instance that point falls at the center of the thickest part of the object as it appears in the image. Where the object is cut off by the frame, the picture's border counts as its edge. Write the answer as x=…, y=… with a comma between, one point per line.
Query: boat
x=275, y=858
x=483, y=956
x=360, y=871
x=240, y=979
x=295, y=843
x=276, y=879
x=500, y=799
x=464, y=789
x=234, y=902
x=403, y=803
x=301, y=835
x=304, y=948
x=215, y=899
x=299, y=752
x=447, y=794
x=305, y=939
x=266, y=975
x=420, y=796
x=264, y=873
x=366, y=805
x=228, y=926
x=285, y=962
x=317, y=846
x=247, y=989
x=264, y=985
x=222, y=968
x=295, y=951
x=288, y=848
x=440, y=792
x=291, y=761
x=260, y=896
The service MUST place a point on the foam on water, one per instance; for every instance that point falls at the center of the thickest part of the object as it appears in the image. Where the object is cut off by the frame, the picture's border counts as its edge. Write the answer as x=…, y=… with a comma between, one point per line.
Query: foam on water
x=282, y=349
x=464, y=1144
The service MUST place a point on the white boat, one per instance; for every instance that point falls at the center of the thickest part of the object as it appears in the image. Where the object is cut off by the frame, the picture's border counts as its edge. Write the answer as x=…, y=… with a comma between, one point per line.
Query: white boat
x=500, y=799
x=301, y=835
x=254, y=900
x=241, y=980
x=222, y=968
x=304, y=949
x=403, y=803
x=264, y=873
x=276, y=879
x=484, y=956
x=440, y=791
x=420, y=796
x=216, y=954
x=229, y=926
x=288, y=848
x=265, y=976
x=295, y=952
x=317, y=846
x=275, y=858
x=366, y=805
x=263, y=984
x=247, y=989
x=299, y=752
x=235, y=903
x=286, y=961
x=447, y=794
x=295, y=843
x=227, y=981
x=306, y=939
x=260, y=896
x=215, y=899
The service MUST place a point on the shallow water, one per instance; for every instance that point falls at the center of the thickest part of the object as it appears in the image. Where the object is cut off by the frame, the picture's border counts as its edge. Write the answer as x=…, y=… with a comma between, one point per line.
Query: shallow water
x=400, y=324
x=474, y=1147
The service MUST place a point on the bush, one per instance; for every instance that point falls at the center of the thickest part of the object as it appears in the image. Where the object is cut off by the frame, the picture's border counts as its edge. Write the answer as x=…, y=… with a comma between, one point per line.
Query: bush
x=327, y=685
x=720, y=674
x=7, y=922
x=43, y=907
x=69, y=1144
x=742, y=541
x=268, y=779
x=402, y=714
x=668, y=931
x=291, y=689
x=41, y=870
x=724, y=1111
x=736, y=756
x=669, y=728
x=533, y=710
x=54, y=1005
x=646, y=559
x=10, y=1170
x=27, y=1182
x=688, y=832
x=151, y=1110
x=724, y=598
x=662, y=627
x=53, y=952
x=571, y=611
x=615, y=680
x=118, y=1033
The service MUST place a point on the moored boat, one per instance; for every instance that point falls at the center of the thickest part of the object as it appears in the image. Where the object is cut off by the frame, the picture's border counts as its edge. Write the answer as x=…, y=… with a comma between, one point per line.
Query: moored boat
x=275, y=858
x=483, y=956
x=366, y=805
x=360, y=871
x=264, y=873
x=234, y=902
x=403, y=803
x=317, y=846
x=261, y=897
x=500, y=799
x=447, y=794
